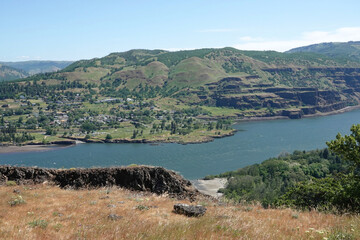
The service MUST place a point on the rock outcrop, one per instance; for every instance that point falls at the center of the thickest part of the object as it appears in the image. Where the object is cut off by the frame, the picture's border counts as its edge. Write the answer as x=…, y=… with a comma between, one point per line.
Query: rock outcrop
x=303, y=91
x=189, y=210
x=140, y=178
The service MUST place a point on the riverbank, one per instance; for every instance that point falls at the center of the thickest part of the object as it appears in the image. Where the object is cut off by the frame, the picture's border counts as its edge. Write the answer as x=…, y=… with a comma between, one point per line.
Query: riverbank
x=318, y=114
x=32, y=147
x=210, y=187
x=343, y=110
x=174, y=139
x=38, y=146
x=254, y=143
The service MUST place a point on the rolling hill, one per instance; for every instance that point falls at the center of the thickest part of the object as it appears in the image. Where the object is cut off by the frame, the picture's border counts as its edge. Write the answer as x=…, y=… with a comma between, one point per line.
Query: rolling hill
x=345, y=50
x=10, y=73
x=257, y=83
x=35, y=67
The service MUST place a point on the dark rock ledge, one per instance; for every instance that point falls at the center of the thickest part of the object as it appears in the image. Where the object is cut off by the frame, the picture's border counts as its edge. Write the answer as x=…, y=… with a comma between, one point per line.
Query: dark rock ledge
x=139, y=178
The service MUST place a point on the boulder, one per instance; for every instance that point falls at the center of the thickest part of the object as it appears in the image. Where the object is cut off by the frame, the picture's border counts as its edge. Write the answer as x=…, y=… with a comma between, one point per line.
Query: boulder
x=3, y=178
x=189, y=210
x=114, y=217
x=17, y=191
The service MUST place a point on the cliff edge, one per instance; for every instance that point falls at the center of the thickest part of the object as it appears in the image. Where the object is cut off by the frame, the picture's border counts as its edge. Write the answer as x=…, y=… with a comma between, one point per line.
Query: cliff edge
x=139, y=178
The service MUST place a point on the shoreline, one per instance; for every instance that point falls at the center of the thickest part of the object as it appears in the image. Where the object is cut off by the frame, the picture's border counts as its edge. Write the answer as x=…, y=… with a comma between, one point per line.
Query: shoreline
x=154, y=142
x=210, y=187
x=30, y=148
x=319, y=114
x=71, y=141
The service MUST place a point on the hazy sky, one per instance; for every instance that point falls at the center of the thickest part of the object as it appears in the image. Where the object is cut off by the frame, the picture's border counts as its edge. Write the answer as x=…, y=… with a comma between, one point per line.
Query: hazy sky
x=83, y=29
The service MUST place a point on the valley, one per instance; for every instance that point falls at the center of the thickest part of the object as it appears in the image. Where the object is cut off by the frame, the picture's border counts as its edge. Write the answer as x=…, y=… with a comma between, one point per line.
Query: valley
x=194, y=96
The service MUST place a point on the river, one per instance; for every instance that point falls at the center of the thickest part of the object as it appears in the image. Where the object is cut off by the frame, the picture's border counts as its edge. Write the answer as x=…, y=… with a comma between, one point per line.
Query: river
x=254, y=143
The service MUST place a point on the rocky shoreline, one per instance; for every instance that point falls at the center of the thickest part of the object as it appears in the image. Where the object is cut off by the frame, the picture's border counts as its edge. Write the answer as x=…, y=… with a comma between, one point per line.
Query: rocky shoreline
x=318, y=114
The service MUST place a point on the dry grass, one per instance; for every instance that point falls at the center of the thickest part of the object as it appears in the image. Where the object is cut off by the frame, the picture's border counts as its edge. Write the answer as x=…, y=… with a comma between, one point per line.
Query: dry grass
x=53, y=213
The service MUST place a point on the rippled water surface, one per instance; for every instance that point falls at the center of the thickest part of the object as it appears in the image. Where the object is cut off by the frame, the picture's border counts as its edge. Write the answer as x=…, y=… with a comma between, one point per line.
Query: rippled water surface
x=254, y=143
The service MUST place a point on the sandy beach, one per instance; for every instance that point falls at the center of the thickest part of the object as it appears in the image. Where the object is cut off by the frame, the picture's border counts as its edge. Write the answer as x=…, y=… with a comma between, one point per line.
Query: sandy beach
x=210, y=187
x=28, y=148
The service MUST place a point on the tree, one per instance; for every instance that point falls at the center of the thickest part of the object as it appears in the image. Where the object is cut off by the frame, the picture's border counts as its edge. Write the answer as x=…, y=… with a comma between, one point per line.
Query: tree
x=348, y=146
x=108, y=137
x=135, y=133
x=340, y=191
x=88, y=127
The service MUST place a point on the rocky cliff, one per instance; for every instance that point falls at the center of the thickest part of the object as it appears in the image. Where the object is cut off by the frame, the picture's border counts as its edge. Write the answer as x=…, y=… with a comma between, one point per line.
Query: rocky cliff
x=304, y=91
x=140, y=178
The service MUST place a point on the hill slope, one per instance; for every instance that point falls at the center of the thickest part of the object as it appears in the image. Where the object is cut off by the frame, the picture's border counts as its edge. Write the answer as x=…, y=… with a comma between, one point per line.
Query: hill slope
x=156, y=95
x=349, y=50
x=267, y=181
x=258, y=83
x=10, y=73
x=34, y=67
x=45, y=211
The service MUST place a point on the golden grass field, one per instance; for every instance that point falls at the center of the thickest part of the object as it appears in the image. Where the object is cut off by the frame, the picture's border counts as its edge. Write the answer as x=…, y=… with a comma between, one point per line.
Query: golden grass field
x=49, y=212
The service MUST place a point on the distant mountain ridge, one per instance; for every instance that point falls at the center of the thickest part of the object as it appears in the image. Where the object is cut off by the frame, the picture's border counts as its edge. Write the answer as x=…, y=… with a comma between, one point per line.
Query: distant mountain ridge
x=349, y=50
x=35, y=66
x=9, y=73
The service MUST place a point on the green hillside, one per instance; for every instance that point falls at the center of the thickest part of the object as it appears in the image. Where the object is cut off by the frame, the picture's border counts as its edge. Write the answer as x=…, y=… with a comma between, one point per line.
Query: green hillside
x=196, y=68
x=159, y=95
x=272, y=178
x=345, y=50
x=325, y=179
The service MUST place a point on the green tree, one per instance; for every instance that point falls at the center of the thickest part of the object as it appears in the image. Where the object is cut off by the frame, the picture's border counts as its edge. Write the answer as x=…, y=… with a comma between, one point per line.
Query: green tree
x=88, y=127
x=348, y=146
x=339, y=191
x=108, y=137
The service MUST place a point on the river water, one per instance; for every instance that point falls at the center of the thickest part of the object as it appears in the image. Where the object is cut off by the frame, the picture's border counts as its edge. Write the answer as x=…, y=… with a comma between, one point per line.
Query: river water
x=254, y=143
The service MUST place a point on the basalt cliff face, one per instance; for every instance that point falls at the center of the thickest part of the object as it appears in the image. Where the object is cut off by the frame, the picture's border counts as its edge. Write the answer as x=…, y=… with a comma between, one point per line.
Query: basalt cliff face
x=142, y=178
x=294, y=102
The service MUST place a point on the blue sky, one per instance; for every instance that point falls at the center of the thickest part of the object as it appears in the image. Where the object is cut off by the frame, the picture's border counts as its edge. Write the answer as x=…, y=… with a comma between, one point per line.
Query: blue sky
x=83, y=29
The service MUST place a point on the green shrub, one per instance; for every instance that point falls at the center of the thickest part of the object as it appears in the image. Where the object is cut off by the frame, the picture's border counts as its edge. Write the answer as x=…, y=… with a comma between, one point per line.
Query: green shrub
x=11, y=183
x=16, y=201
x=142, y=207
x=340, y=234
x=38, y=223
x=340, y=194
x=57, y=226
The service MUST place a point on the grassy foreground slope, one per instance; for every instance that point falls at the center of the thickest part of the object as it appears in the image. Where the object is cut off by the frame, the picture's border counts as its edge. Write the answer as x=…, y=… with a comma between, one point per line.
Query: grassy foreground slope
x=48, y=212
